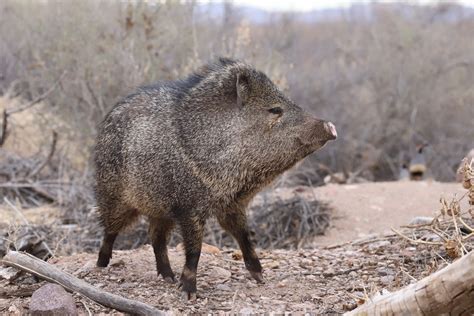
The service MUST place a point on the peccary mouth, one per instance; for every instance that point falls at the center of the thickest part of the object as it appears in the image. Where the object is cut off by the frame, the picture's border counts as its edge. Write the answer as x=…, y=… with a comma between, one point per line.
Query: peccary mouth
x=306, y=148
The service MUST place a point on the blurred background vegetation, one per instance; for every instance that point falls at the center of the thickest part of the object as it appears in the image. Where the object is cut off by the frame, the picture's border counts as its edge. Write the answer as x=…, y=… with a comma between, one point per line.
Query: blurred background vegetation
x=390, y=76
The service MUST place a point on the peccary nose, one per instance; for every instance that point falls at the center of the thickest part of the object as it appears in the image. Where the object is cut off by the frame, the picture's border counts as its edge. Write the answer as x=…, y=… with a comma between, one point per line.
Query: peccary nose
x=331, y=129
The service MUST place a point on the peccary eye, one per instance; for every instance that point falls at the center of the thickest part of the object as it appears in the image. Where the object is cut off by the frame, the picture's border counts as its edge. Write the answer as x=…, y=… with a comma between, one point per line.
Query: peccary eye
x=276, y=110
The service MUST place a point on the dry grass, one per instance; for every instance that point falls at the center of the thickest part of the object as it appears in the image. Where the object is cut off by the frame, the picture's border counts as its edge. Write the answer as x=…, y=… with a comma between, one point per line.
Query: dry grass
x=278, y=223
x=452, y=231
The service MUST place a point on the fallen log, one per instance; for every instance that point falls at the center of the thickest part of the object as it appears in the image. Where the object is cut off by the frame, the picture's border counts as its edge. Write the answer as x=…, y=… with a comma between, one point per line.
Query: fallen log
x=449, y=290
x=48, y=272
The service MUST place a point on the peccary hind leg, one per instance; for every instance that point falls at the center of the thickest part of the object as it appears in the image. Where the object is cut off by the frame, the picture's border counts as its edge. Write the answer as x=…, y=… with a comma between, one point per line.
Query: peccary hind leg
x=159, y=231
x=114, y=220
x=192, y=232
x=236, y=224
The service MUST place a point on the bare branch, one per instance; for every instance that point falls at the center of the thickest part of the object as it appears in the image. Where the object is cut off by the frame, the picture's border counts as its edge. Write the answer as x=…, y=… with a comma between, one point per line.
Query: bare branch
x=3, y=136
x=39, y=98
x=48, y=157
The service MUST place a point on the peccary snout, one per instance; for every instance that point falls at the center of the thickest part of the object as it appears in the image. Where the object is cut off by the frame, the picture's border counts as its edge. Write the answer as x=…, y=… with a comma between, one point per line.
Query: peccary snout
x=319, y=132
x=331, y=130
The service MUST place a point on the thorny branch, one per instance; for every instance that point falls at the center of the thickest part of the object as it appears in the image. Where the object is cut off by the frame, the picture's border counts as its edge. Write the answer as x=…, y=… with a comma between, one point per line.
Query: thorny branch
x=6, y=113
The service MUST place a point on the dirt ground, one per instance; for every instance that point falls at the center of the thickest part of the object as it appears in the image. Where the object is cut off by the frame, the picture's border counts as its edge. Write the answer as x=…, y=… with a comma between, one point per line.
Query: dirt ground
x=361, y=210
x=315, y=281
x=321, y=280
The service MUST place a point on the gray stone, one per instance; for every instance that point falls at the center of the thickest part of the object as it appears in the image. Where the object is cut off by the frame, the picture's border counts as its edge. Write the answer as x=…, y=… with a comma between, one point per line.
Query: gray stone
x=223, y=287
x=246, y=311
x=221, y=273
x=9, y=273
x=431, y=237
x=378, y=244
x=385, y=271
x=51, y=300
x=387, y=280
x=421, y=220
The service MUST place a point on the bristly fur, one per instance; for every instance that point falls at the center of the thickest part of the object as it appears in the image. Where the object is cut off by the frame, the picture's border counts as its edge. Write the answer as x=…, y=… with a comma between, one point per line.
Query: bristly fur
x=181, y=151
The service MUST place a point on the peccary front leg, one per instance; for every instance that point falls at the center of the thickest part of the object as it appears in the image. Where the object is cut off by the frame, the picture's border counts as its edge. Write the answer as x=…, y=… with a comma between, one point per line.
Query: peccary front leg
x=105, y=252
x=192, y=232
x=159, y=231
x=235, y=222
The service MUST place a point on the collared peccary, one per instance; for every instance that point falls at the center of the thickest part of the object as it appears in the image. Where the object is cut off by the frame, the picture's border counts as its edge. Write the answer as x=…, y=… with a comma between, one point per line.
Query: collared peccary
x=179, y=152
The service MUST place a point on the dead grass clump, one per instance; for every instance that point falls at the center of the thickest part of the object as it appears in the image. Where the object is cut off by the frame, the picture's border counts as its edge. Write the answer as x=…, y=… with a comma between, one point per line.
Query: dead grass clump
x=466, y=171
x=278, y=223
x=288, y=223
x=452, y=230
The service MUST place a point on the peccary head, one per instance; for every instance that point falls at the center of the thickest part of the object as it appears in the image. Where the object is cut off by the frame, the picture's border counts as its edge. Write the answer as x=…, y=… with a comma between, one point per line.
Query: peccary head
x=238, y=120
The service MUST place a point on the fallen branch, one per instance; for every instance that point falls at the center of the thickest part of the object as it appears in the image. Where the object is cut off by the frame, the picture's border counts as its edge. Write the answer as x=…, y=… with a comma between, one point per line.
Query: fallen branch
x=450, y=290
x=46, y=271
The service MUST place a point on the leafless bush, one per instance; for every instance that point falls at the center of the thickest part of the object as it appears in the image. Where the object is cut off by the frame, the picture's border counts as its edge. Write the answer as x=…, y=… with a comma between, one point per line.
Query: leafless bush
x=276, y=223
x=400, y=77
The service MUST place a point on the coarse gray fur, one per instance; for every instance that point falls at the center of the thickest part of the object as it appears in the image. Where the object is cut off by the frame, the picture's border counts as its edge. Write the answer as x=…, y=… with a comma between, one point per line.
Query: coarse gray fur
x=179, y=152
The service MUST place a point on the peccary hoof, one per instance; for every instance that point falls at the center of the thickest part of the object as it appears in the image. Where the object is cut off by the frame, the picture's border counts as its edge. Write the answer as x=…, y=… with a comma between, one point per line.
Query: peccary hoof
x=103, y=262
x=189, y=296
x=257, y=276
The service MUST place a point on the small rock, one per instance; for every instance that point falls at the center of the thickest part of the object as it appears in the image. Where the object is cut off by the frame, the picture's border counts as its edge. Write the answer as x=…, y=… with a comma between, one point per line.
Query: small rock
x=52, y=299
x=250, y=283
x=13, y=310
x=386, y=280
x=210, y=249
x=27, y=280
x=385, y=271
x=246, y=311
x=223, y=287
x=421, y=220
x=272, y=265
x=85, y=269
x=431, y=237
x=330, y=272
x=9, y=273
x=116, y=263
x=220, y=273
x=379, y=244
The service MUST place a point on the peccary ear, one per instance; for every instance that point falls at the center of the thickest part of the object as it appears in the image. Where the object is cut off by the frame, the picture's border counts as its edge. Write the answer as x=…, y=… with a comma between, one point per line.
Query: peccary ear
x=242, y=86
